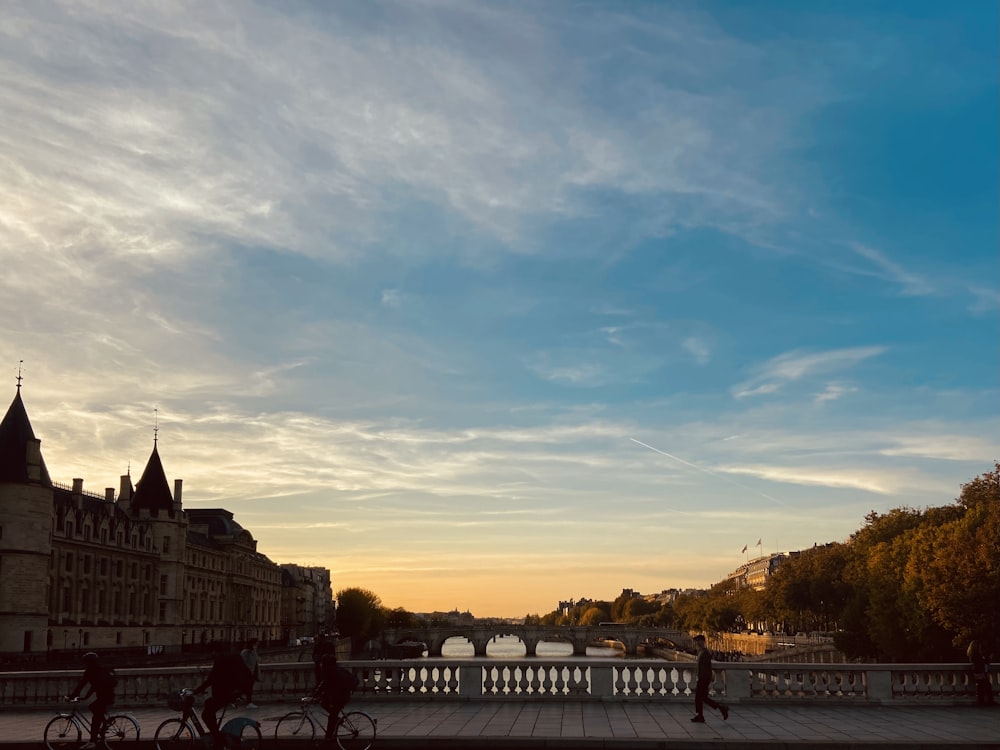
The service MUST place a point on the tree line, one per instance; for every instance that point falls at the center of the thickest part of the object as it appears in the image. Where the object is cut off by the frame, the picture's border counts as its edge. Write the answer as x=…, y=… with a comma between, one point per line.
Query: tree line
x=909, y=585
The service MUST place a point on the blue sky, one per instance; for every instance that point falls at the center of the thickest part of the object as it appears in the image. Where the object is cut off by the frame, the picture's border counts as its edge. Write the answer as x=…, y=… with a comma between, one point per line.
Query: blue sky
x=488, y=305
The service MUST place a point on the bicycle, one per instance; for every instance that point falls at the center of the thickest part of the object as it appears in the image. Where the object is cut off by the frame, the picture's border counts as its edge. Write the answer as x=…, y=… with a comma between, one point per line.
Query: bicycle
x=241, y=732
x=355, y=729
x=67, y=730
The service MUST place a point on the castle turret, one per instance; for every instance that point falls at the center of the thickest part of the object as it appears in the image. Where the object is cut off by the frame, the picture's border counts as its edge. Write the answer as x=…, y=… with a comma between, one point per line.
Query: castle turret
x=169, y=523
x=26, y=502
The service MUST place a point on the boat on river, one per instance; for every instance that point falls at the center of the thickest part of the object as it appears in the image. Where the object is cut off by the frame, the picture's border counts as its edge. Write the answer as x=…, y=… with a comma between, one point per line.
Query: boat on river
x=406, y=650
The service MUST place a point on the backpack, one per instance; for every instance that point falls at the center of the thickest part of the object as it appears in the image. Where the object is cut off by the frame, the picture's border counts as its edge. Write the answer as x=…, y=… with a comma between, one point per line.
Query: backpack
x=345, y=680
x=107, y=680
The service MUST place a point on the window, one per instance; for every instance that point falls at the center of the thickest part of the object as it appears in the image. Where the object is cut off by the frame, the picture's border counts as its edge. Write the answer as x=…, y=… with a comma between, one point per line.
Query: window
x=166, y=543
x=163, y=612
x=69, y=562
x=163, y=584
x=86, y=565
x=104, y=566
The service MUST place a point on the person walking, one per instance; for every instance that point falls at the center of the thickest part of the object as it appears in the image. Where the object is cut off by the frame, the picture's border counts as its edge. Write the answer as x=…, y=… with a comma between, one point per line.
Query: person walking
x=980, y=673
x=704, y=683
x=249, y=656
x=102, y=682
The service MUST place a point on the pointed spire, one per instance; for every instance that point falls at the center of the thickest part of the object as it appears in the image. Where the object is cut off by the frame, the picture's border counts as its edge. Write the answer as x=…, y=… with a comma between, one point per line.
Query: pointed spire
x=16, y=436
x=152, y=491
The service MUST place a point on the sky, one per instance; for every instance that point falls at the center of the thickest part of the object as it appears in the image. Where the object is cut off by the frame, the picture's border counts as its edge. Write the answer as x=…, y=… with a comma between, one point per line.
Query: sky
x=489, y=305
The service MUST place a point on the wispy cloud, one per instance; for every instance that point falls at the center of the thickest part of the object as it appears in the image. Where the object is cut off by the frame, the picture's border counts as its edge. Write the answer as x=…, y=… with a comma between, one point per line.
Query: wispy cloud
x=796, y=366
x=834, y=391
x=382, y=265
x=909, y=282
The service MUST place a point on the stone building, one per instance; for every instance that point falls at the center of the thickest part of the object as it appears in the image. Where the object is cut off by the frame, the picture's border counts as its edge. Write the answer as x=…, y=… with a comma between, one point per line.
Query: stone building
x=756, y=573
x=307, y=606
x=85, y=570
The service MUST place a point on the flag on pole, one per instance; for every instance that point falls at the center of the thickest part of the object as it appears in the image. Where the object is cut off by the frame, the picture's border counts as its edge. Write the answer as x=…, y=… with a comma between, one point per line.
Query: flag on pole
x=758, y=542
x=744, y=548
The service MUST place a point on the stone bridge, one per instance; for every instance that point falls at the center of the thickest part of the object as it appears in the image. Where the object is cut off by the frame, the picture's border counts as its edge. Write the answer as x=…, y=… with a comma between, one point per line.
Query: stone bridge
x=480, y=635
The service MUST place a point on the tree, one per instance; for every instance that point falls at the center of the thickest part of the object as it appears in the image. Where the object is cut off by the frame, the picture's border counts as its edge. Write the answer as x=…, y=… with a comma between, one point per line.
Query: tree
x=595, y=616
x=359, y=616
x=961, y=565
x=400, y=618
x=638, y=608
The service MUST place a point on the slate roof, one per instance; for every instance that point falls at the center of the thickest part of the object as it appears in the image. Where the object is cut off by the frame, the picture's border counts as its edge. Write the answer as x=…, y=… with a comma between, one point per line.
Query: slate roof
x=152, y=491
x=15, y=432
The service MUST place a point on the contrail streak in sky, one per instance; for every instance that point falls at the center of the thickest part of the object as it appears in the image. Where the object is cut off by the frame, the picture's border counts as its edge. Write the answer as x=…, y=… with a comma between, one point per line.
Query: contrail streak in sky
x=709, y=472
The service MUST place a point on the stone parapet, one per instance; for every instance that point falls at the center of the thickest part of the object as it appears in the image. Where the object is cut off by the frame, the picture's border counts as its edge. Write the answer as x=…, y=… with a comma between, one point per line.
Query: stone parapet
x=593, y=679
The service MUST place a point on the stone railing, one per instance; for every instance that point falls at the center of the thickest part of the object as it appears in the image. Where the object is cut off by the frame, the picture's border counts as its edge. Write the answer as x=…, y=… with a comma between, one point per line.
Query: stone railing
x=589, y=679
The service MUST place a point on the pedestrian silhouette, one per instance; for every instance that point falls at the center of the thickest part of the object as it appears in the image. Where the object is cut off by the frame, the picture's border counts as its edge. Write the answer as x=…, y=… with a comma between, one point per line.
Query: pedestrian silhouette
x=704, y=683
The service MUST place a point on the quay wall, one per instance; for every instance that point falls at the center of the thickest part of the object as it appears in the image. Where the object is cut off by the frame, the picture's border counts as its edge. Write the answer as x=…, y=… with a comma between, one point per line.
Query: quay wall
x=544, y=679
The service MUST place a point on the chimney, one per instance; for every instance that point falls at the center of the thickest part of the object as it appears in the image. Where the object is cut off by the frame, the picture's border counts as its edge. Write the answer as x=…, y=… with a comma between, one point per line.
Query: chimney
x=33, y=460
x=109, y=494
x=177, y=494
x=125, y=493
x=78, y=492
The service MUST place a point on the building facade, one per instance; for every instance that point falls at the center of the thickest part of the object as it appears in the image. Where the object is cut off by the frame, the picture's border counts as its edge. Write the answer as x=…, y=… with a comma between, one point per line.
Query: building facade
x=756, y=573
x=307, y=601
x=81, y=570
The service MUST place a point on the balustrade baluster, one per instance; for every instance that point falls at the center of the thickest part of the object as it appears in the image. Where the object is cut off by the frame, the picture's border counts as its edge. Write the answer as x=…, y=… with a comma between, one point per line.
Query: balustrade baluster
x=624, y=679
x=561, y=681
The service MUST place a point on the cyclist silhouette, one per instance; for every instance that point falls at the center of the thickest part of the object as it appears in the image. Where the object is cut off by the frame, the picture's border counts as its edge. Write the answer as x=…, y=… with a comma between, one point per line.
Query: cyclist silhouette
x=102, y=682
x=334, y=689
x=228, y=680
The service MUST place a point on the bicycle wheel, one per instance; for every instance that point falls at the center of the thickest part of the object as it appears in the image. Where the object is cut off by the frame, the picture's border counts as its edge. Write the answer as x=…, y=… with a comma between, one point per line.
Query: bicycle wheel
x=295, y=724
x=249, y=738
x=63, y=732
x=120, y=728
x=174, y=734
x=355, y=731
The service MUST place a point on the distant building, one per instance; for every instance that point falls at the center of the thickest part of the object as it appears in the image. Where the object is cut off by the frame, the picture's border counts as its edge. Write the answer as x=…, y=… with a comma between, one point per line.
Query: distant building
x=755, y=573
x=307, y=601
x=80, y=570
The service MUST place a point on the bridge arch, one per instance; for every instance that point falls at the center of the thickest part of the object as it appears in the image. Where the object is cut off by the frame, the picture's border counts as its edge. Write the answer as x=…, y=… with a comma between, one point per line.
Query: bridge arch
x=480, y=635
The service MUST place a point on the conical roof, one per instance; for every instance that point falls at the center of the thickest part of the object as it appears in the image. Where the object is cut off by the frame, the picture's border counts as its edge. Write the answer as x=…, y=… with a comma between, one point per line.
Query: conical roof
x=15, y=432
x=152, y=492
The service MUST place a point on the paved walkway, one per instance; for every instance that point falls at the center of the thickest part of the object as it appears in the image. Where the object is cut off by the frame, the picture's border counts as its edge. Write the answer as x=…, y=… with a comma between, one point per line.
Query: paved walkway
x=536, y=725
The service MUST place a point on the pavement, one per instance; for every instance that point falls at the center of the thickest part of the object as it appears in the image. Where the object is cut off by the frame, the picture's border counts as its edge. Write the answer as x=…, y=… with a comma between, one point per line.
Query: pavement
x=647, y=725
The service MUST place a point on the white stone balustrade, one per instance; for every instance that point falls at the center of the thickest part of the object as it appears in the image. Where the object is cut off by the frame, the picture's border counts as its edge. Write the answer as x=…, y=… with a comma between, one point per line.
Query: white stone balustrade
x=544, y=679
